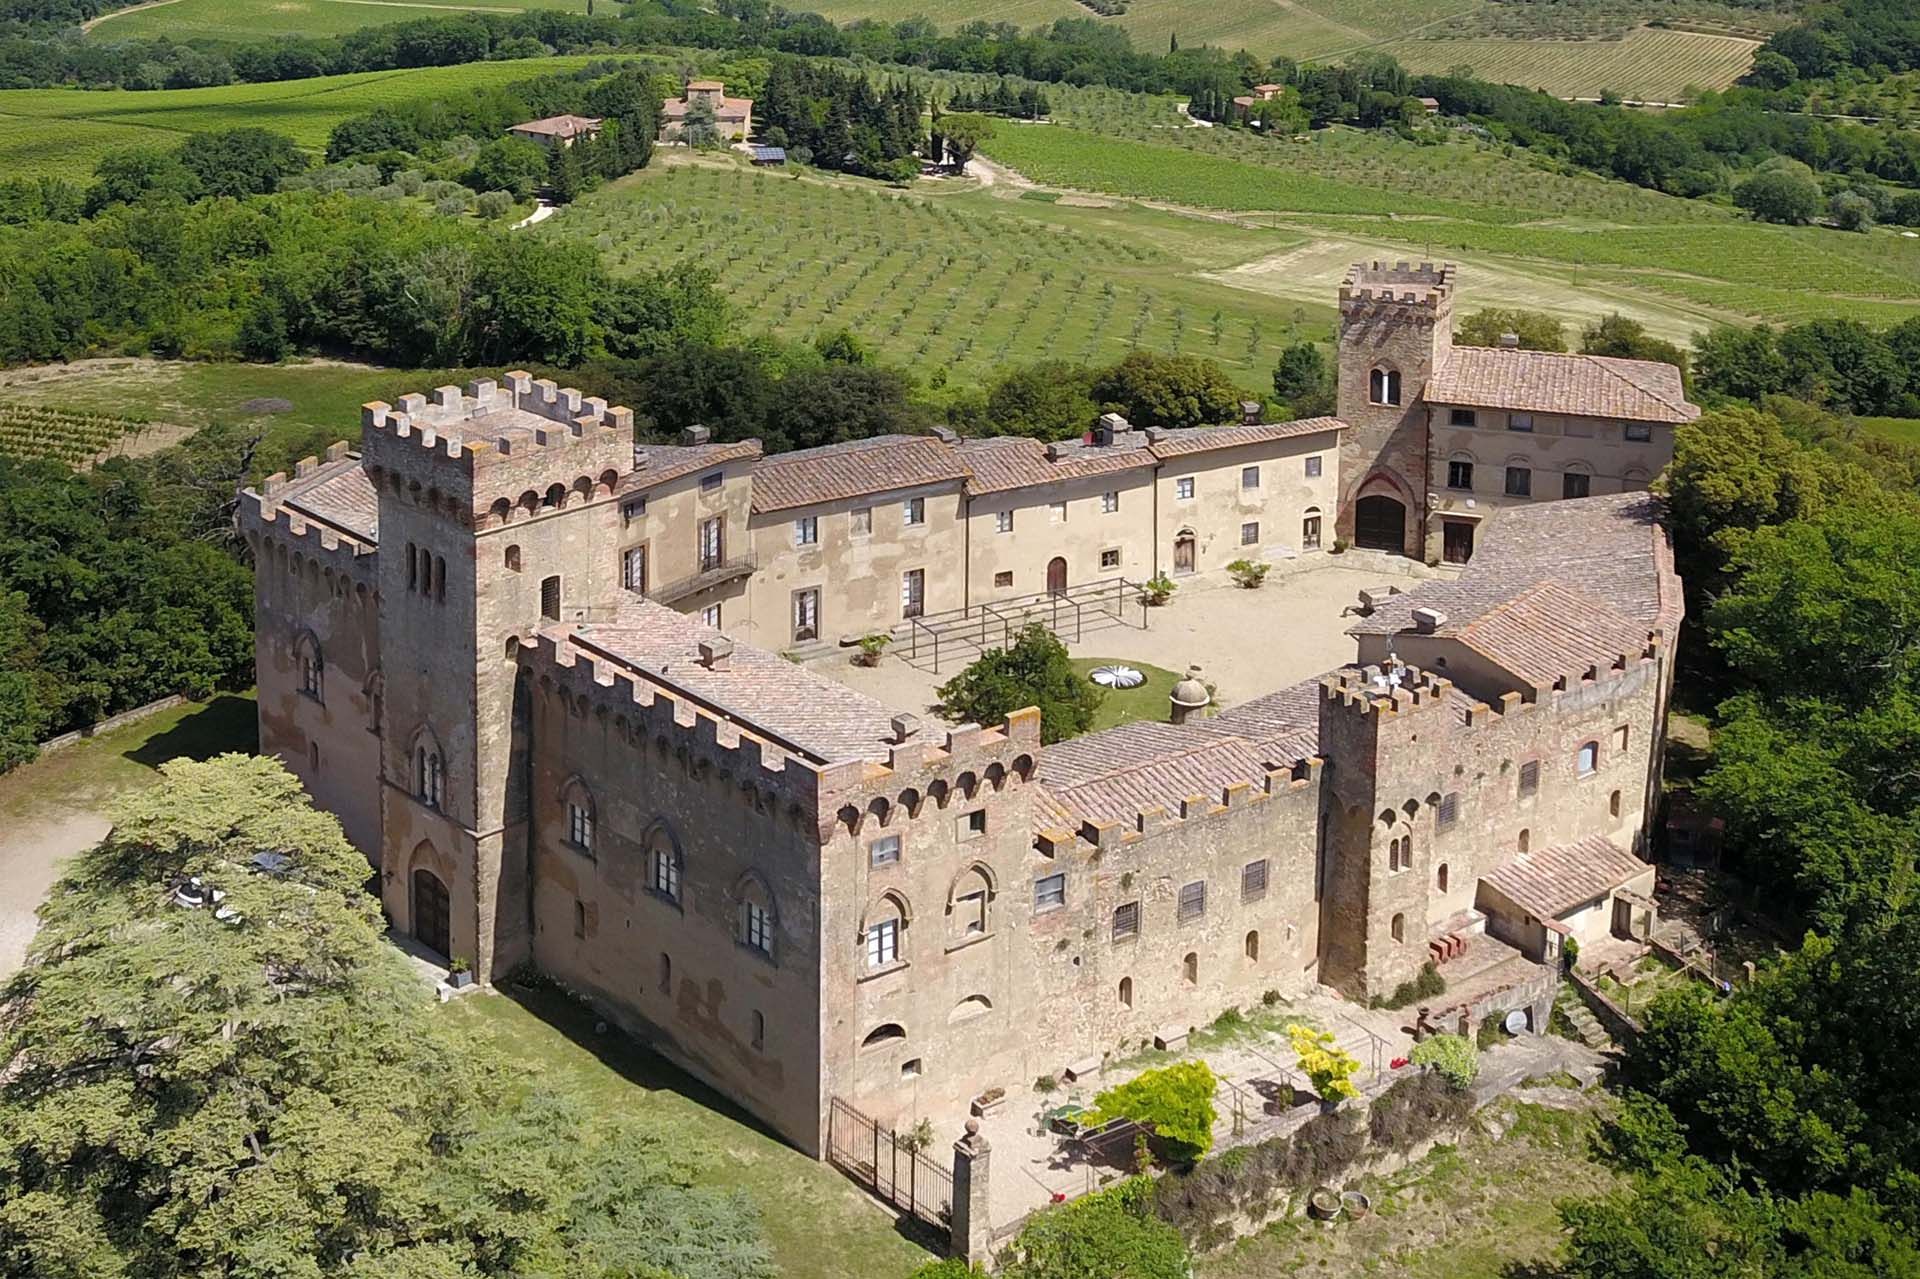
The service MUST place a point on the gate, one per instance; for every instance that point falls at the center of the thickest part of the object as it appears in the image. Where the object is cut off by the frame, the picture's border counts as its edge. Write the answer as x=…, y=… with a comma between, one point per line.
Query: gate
x=882, y=1162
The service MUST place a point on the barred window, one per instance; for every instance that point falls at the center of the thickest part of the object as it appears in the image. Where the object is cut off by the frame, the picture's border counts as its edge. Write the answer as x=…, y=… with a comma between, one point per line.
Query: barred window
x=1449, y=810
x=1253, y=880
x=1049, y=891
x=1193, y=900
x=1126, y=921
x=1530, y=777
x=756, y=927
x=580, y=825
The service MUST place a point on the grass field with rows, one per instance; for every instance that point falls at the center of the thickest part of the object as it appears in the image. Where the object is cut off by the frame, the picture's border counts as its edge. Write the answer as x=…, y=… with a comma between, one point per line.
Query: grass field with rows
x=241, y=20
x=1647, y=65
x=62, y=435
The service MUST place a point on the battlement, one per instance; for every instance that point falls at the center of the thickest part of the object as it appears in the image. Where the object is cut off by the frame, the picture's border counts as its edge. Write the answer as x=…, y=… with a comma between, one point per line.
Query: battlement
x=1377, y=285
x=269, y=525
x=1408, y=690
x=497, y=442
x=1237, y=798
x=1389, y=691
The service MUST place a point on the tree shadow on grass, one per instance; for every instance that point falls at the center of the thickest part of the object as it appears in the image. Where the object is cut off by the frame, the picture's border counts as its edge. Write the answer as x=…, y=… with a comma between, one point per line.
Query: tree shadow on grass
x=227, y=723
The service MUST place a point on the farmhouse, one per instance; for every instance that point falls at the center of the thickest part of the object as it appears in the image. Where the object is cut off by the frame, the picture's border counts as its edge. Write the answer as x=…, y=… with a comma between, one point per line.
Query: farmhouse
x=732, y=117
x=558, y=130
x=536, y=670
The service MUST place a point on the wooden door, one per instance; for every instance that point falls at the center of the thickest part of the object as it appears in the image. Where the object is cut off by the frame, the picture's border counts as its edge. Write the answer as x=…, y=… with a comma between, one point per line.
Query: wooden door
x=1183, y=557
x=1057, y=576
x=431, y=913
x=1380, y=524
x=1457, y=536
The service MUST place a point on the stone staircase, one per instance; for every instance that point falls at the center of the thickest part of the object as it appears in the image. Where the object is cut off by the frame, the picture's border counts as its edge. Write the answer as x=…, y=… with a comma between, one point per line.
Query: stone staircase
x=1585, y=1025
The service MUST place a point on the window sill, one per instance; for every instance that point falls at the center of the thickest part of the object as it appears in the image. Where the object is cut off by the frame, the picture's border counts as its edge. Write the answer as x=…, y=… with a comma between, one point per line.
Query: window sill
x=1127, y=940
x=672, y=903
x=964, y=942
x=580, y=849
x=1041, y=912
x=875, y=974
x=765, y=957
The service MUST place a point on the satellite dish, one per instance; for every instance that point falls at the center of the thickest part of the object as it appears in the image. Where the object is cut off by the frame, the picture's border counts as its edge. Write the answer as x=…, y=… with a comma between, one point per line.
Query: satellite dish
x=1516, y=1023
x=1117, y=676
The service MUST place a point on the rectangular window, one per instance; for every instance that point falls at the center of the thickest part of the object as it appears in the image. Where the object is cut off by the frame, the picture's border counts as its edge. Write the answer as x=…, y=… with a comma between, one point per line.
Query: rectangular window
x=1109, y=502
x=1460, y=417
x=1586, y=761
x=1049, y=892
x=756, y=928
x=806, y=531
x=1460, y=475
x=1620, y=738
x=883, y=943
x=710, y=616
x=1253, y=881
x=1249, y=477
x=713, y=542
x=1193, y=900
x=1183, y=487
x=1575, y=484
x=1530, y=777
x=1003, y=579
x=1126, y=921
x=860, y=521
x=633, y=569
x=579, y=826
x=1057, y=512
x=972, y=825
x=550, y=599
x=1003, y=521
x=710, y=481
x=633, y=508
x=913, y=592
x=1519, y=482
x=1520, y=421
x=1313, y=467
x=579, y=918
x=913, y=511
x=1110, y=559
x=806, y=615
x=1250, y=534
x=884, y=851
x=1448, y=812
x=1639, y=432
x=1310, y=533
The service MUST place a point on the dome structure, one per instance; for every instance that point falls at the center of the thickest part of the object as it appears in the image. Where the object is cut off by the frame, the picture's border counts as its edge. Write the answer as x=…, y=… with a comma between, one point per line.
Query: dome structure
x=1189, y=697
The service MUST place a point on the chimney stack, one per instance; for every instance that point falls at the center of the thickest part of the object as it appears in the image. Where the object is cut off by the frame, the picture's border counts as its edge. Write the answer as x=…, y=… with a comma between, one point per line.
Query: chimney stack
x=905, y=727
x=1250, y=412
x=696, y=435
x=946, y=435
x=1510, y=341
x=716, y=654
x=1428, y=620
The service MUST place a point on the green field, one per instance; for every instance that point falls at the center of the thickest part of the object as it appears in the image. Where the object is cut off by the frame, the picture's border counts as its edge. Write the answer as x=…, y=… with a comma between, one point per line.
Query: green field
x=1648, y=64
x=264, y=19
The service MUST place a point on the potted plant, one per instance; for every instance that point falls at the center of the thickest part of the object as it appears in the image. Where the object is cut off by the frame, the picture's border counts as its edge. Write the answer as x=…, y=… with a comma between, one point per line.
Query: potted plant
x=871, y=646
x=1339, y=545
x=1248, y=574
x=993, y=1099
x=459, y=973
x=1157, y=590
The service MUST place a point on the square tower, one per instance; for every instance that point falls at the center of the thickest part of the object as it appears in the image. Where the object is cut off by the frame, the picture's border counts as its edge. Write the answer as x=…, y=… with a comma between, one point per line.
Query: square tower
x=1396, y=329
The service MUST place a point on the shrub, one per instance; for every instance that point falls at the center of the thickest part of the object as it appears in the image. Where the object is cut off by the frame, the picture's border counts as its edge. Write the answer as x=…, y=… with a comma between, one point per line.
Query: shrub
x=1248, y=574
x=871, y=646
x=1325, y=1064
x=1414, y=1108
x=1034, y=672
x=1570, y=952
x=493, y=204
x=1175, y=1101
x=1453, y=1057
x=1112, y=1232
x=1158, y=589
x=1425, y=985
x=1490, y=1031
x=1046, y=1084
x=947, y=1268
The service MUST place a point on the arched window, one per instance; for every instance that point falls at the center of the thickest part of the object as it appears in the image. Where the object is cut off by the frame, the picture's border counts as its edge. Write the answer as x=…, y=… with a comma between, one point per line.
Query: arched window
x=1190, y=968
x=759, y=1030
x=1526, y=839
x=970, y=1007
x=1613, y=804
x=1586, y=760
x=1126, y=992
x=883, y=935
x=513, y=559
x=968, y=904
x=756, y=915
x=1383, y=386
x=891, y=1032
x=664, y=863
x=440, y=579
x=580, y=815
x=1399, y=927
x=429, y=775
x=1440, y=877
x=666, y=973
x=313, y=667
x=1252, y=947
x=556, y=495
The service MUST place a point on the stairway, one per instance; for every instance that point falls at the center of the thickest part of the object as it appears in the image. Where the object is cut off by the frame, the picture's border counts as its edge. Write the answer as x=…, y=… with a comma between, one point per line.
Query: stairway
x=1585, y=1025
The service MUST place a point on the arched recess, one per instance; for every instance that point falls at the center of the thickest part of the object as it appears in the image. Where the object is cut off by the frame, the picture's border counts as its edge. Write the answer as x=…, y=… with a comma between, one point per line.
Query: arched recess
x=375, y=691
x=970, y=903
x=756, y=914
x=312, y=666
x=666, y=862
x=969, y=1008
x=886, y=1033
x=427, y=764
x=883, y=932
x=582, y=813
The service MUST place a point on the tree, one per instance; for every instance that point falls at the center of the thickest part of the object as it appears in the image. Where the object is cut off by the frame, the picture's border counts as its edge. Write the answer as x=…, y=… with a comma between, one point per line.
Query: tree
x=1049, y=400
x=1110, y=1234
x=239, y=162
x=508, y=164
x=1175, y=1101
x=1615, y=335
x=1167, y=390
x=563, y=174
x=700, y=128
x=683, y=304
x=964, y=133
x=140, y=173
x=1304, y=381
x=1327, y=1066
x=1844, y=364
x=1034, y=672
x=1739, y=362
x=1780, y=195
x=1537, y=330
x=1851, y=211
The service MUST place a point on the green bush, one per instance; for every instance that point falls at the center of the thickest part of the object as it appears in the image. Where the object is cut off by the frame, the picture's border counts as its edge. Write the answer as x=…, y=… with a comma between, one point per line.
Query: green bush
x=1453, y=1057
x=1158, y=589
x=947, y=1268
x=1490, y=1032
x=1249, y=573
x=1175, y=1101
x=1106, y=1235
x=1416, y=1108
x=1329, y=1067
x=1426, y=985
x=1034, y=672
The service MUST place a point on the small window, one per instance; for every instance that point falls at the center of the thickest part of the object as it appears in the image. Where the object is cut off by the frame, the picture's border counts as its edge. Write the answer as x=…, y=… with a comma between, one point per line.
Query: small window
x=1575, y=484
x=1620, y=739
x=1586, y=760
x=1183, y=487
x=806, y=531
x=973, y=825
x=1003, y=579
x=1126, y=992
x=1638, y=432
x=1249, y=477
x=579, y=918
x=1110, y=559
x=759, y=1030
x=711, y=481
x=1384, y=387
x=1399, y=927
x=512, y=559
x=1253, y=880
x=1530, y=777
x=1440, y=877
x=1049, y=892
x=884, y=851
x=1110, y=502
x=1003, y=521
x=860, y=521
x=1190, y=968
x=1252, y=947
x=756, y=927
x=312, y=670
x=665, y=873
x=713, y=542
x=891, y=1033
x=440, y=579
x=910, y=1068
x=1057, y=512
x=666, y=973
x=1519, y=482
x=1250, y=534
x=1313, y=467
x=313, y=756
x=1449, y=810
x=1460, y=475
x=580, y=825
x=1613, y=804
x=883, y=943
x=1460, y=417
x=1310, y=533
x=1193, y=900
x=1126, y=921
x=428, y=777
x=710, y=617
x=633, y=509
x=913, y=511
x=550, y=599
x=1525, y=841
x=633, y=569
x=1520, y=422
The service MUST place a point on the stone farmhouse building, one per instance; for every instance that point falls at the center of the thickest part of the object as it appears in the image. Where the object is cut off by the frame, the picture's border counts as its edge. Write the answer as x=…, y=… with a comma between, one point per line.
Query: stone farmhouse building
x=558, y=130
x=536, y=670
x=732, y=117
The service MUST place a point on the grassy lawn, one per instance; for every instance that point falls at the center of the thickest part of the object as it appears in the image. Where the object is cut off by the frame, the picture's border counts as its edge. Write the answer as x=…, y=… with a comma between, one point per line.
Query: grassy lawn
x=1901, y=430
x=1124, y=705
x=819, y=1225
x=265, y=19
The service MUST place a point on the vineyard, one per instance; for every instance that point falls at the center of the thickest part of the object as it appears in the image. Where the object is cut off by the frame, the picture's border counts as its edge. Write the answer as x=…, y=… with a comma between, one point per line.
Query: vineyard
x=265, y=19
x=951, y=285
x=36, y=431
x=1648, y=64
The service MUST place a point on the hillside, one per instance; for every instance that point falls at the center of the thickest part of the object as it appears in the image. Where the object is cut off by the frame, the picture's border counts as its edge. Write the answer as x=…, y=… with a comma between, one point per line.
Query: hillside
x=264, y=19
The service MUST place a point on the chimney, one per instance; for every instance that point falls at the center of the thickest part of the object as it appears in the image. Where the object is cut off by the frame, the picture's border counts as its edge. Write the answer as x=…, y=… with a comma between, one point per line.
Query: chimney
x=1115, y=423
x=1250, y=412
x=1428, y=620
x=716, y=654
x=946, y=435
x=1510, y=341
x=1053, y=451
x=905, y=727
x=696, y=435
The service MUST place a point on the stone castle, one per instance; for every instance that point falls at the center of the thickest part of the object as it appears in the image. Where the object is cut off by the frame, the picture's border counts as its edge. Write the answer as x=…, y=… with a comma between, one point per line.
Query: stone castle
x=536, y=670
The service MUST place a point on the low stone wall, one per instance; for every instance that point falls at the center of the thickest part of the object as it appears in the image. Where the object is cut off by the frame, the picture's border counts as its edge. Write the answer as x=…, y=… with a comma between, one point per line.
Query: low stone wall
x=112, y=722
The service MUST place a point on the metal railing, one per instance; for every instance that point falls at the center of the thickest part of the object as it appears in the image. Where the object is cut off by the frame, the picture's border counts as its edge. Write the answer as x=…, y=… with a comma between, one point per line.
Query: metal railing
x=715, y=574
x=884, y=1163
x=1069, y=614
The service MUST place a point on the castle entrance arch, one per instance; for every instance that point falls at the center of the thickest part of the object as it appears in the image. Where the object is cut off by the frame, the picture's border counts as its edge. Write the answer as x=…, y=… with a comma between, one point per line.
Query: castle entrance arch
x=1380, y=524
x=431, y=913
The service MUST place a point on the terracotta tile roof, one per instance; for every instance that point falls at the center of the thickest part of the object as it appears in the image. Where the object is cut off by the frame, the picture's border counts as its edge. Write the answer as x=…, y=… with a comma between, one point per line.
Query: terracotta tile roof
x=1548, y=382
x=339, y=495
x=794, y=707
x=718, y=86
x=1549, y=631
x=727, y=109
x=833, y=472
x=559, y=126
x=1008, y=462
x=1200, y=439
x=1554, y=881
x=658, y=463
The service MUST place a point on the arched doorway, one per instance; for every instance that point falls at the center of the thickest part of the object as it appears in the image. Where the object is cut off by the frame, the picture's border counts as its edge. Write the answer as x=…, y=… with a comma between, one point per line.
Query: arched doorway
x=1183, y=552
x=431, y=913
x=1057, y=576
x=1380, y=524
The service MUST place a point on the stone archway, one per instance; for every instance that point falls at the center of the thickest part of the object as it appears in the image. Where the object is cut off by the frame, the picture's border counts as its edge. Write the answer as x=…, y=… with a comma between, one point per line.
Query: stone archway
x=431, y=912
x=1380, y=523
